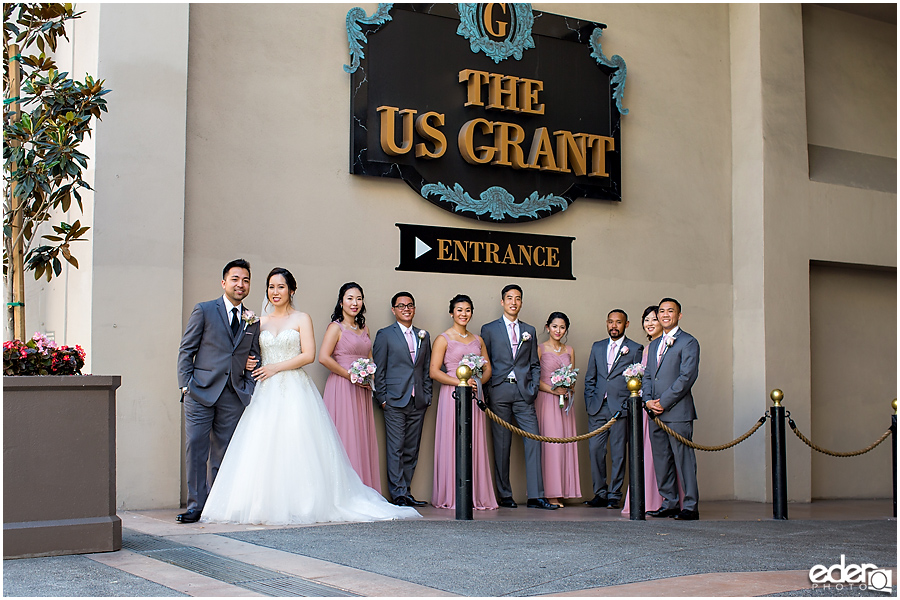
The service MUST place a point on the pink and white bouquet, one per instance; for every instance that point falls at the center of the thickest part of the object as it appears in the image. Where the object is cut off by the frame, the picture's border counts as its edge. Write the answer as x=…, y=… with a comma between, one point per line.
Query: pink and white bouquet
x=635, y=371
x=362, y=371
x=564, y=377
x=475, y=362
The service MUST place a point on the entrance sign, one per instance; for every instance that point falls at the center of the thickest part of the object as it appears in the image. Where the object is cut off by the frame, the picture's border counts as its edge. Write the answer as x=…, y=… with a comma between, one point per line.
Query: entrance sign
x=478, y=252
x=492, y=111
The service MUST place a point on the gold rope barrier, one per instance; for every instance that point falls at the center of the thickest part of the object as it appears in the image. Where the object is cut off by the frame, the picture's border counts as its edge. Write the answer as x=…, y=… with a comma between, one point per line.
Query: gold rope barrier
x=691, y=444
x=809, y=443
x=543, y=438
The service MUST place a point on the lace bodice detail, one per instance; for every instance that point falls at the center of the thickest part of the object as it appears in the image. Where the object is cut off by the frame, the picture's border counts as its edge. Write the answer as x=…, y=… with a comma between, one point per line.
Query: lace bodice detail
x=276, y=348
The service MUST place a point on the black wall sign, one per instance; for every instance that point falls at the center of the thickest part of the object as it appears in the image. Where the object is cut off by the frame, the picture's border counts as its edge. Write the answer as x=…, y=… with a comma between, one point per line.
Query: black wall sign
x=492, y=111
x=477, y=252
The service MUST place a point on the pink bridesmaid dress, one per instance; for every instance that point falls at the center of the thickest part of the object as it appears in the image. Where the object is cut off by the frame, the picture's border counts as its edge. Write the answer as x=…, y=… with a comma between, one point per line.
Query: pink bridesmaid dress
x=559, y=462
x=652, y=499
x=350, y=407
x=444, y=493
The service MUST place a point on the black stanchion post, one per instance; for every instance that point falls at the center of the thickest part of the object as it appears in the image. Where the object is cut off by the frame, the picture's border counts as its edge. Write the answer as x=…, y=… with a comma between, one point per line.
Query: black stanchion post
x=463, y=395
x=779, y=458
x=894, y=449
x=636, y=506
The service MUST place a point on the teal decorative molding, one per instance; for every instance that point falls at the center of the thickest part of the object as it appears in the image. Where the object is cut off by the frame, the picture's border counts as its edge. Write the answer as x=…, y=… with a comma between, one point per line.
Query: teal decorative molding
x=617, y=63
x=355, y=37
x=520, y=38
x=495, y=200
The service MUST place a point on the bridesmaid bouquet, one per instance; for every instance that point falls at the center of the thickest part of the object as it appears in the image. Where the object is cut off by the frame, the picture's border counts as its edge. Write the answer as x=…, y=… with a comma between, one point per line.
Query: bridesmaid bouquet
x=635, y=371
x=362, y=371
x=564, y=377
x=475, y=362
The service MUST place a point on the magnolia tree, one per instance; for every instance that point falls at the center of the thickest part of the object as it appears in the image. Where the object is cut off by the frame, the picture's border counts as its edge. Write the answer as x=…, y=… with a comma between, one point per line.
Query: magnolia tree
x=46, y=116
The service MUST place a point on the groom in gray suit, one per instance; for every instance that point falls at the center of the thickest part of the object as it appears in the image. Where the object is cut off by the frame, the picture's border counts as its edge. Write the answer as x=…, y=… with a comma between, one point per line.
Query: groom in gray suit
x=515, y=375
x=605, y=392
x=402, y=355
x=673, y=363
x=215, y=386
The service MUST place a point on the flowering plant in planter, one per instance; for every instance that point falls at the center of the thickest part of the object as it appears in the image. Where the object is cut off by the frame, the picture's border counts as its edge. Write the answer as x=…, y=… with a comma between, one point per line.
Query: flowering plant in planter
x=40, y=356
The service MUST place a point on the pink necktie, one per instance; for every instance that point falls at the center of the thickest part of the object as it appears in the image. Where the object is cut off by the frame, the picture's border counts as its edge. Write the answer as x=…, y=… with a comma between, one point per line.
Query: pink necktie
x=411, y=344
x=662, y=348
x=512, y=335
x=611, y=356
x=412, y=351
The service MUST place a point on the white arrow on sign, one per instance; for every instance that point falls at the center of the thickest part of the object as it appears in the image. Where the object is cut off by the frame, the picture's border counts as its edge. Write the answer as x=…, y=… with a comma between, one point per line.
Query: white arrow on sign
x=421, y=247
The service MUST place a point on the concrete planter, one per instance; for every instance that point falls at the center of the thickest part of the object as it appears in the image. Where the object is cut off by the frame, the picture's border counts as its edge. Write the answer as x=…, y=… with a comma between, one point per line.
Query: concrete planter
x=59, y=465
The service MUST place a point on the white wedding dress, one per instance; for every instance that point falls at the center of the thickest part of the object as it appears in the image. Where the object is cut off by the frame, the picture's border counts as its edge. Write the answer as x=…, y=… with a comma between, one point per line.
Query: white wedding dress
x=285, y=463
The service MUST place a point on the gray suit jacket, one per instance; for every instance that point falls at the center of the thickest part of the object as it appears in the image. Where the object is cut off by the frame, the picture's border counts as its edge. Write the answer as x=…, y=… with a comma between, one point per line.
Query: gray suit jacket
x=525, y=363
x=600, y=381
x=395, y=374
x=210, y=355
x=671, y=380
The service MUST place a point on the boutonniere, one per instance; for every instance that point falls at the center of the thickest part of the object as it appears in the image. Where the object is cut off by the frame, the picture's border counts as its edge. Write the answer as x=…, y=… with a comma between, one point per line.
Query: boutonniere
x=624, y=350
x=526, y=336
x=669, y=341
x=249, y=317
x=421, y=335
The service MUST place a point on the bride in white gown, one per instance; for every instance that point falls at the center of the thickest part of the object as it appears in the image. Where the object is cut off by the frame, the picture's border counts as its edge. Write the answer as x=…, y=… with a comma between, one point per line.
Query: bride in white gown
x=285, y=463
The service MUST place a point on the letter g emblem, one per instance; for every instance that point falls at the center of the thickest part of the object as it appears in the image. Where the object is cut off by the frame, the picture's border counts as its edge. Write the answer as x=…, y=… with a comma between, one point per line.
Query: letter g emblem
x=489, y=22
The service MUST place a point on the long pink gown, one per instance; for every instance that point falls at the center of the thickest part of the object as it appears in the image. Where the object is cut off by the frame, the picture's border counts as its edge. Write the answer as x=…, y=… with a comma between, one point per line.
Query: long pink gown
x=652, y=499
x=350, y=407
x=559, y=462
x=444, y=493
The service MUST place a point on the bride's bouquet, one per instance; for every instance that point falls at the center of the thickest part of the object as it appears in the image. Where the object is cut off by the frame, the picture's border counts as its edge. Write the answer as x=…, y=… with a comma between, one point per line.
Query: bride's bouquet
x=475, y=362
x=564, y=377
x=362, y=371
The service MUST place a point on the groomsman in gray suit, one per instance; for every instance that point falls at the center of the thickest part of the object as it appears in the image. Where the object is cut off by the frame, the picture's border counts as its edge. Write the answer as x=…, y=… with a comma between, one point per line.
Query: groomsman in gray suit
x=516, y=372
x=215, y=386
x=402, y=355
x=673, y=361
x=605, y=392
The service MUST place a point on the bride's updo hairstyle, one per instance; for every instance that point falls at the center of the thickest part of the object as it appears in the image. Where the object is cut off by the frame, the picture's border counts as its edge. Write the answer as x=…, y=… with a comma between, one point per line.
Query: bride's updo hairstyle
x=459, y=298
x=338, y=314
x=288, y=279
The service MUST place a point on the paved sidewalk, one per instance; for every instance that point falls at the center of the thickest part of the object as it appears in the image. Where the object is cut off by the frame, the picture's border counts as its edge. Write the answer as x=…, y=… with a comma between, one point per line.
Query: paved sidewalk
x=737, y=549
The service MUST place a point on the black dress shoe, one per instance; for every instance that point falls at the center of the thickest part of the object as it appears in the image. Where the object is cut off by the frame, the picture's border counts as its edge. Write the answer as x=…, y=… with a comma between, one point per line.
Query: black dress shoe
x=401, y=501
x=541, y=503
x=611, y=503
x=508, y=502
x=191, y=516
x=688, y=515
x=596, y=502
x=415, y=502
x=662, y=513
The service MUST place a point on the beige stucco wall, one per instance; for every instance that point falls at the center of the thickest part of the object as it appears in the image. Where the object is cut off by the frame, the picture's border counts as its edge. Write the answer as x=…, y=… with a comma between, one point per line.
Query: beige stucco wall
x=137, y=274
x=221, y=144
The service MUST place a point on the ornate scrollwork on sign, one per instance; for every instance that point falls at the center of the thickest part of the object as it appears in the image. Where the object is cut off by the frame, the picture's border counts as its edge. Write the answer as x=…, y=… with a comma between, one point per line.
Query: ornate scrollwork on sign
x=617, y=63
x=356, y=37
x=495, y=200
x=519, y=38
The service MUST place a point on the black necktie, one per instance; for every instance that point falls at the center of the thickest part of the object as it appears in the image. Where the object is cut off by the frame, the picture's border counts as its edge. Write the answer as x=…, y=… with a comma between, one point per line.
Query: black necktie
x=235, y=321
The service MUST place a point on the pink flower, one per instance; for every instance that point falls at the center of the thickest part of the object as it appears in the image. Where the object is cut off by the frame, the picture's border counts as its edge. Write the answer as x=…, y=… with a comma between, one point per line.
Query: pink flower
x=353, y=377
x=370, y=369
x=526, y=336
x=669, y=341
x=624, y=350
